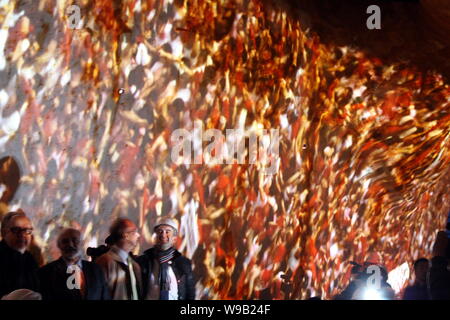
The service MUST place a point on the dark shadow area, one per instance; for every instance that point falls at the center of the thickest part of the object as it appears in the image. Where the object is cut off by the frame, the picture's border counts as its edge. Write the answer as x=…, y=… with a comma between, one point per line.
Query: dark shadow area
x=408, y=33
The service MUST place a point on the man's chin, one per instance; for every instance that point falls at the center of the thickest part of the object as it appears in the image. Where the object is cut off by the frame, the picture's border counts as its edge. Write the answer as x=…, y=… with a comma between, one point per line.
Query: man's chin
x=165, y=246
x=72, y=256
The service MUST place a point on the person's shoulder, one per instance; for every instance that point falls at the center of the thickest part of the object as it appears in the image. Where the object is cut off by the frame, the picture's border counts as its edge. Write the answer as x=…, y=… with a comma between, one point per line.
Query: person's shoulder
x=147, y=255
x=89, y=264
x=93, y=266
x=182, y=260
x=438, y=261
x=149, y=252
x=105, y=258
x=143, y=258
x=49, y=268
x=50, y=265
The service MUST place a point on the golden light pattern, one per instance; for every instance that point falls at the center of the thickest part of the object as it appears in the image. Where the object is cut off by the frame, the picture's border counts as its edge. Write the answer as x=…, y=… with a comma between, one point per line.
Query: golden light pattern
x=88, y=116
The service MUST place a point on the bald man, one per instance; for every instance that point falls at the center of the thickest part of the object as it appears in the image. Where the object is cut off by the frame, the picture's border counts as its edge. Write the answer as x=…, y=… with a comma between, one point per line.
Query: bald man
x=70, y=277
x=18, y=268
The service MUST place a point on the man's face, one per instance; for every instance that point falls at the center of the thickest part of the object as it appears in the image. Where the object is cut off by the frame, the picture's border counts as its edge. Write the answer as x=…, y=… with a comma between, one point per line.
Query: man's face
x=131, y=234
x=70, y=245
x=18, y=234
x=165, y=236
x=421, y=271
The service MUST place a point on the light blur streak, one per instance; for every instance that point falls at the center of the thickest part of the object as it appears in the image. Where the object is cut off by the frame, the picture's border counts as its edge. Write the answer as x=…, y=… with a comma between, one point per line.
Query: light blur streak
x=398, y=277
x=372, y=294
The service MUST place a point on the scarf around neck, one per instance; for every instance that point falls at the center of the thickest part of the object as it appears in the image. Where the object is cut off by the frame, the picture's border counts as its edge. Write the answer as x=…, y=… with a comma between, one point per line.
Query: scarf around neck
x=164, y=257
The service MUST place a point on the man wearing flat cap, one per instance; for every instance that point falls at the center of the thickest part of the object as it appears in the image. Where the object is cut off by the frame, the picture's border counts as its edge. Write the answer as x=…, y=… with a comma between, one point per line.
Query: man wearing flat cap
x=166, y=273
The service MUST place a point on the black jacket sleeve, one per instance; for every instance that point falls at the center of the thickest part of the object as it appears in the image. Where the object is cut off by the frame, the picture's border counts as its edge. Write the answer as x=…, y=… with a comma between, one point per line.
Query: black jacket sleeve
x=104, y=290
x=45, y=280
x=143, y=262
x=190, y=281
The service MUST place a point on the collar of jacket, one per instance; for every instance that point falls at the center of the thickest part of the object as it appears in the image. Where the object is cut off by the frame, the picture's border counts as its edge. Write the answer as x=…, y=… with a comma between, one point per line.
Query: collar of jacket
x=115, y=255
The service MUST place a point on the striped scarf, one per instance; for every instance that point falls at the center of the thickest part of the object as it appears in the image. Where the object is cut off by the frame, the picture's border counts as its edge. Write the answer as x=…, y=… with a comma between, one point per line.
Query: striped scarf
x=164, y=257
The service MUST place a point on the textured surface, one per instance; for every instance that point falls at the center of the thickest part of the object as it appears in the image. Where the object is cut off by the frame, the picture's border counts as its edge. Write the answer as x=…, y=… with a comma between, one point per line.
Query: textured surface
x=365, y=143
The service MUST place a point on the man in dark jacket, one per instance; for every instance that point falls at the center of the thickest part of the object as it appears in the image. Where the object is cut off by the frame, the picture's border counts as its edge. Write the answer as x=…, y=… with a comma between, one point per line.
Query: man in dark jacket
x=70, y=277
x=439, y=276
x=166, y=274
x=418, y=291
x=18, y=269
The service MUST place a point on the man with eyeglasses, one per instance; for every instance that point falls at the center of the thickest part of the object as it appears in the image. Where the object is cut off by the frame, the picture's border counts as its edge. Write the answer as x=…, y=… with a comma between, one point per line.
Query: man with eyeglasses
x=166, y=273
x=18, y=268
x=70, y=277
x=123, y=274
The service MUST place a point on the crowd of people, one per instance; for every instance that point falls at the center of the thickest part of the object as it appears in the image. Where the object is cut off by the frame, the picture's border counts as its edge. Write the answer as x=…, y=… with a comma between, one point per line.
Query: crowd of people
x=431, y=278
x=162, y=272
